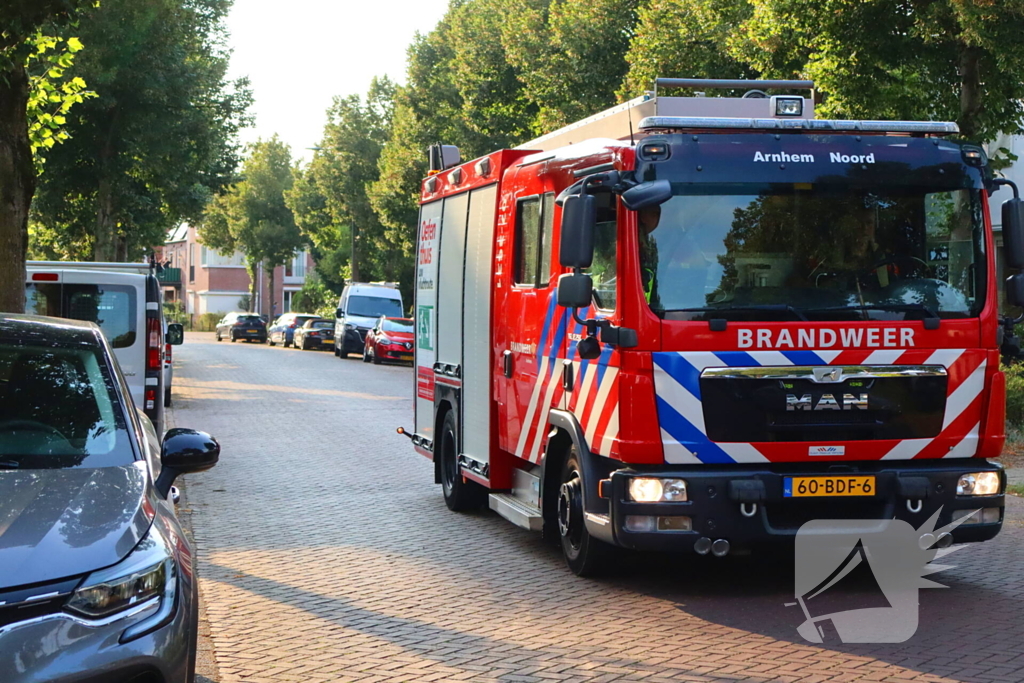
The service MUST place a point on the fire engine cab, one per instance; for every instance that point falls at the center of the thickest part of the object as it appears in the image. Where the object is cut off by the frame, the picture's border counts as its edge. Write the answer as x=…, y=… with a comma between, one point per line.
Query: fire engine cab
x=696, y=323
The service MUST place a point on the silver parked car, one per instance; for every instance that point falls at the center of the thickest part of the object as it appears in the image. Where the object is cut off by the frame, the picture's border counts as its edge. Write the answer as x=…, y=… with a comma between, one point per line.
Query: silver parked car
x=97, y=580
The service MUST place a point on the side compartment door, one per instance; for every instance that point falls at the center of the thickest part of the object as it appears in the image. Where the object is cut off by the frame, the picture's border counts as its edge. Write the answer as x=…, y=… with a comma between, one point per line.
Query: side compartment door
x=428, y=243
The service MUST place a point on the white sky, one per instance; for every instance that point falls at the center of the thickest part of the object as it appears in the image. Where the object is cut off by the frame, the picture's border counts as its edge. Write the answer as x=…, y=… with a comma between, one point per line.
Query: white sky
x=299, y=54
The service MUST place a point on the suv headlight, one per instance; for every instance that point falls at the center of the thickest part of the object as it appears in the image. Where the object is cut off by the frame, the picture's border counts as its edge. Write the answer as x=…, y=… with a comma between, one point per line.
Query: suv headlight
x=147, y=574
x=978, y=484
x=656, y=490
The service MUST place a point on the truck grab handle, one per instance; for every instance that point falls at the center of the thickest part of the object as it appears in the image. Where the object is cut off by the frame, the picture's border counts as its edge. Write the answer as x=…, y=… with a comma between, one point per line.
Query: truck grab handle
x=728, y=83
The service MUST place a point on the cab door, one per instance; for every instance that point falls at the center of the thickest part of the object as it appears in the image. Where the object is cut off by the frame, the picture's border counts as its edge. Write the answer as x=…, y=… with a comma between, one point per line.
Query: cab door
x=532, y=327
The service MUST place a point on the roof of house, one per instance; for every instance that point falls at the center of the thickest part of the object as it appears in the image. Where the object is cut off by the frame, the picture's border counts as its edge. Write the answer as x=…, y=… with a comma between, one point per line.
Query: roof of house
x=178, y=234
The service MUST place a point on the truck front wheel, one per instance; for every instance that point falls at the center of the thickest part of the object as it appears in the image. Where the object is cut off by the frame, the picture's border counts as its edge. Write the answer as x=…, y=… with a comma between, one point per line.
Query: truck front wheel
x=459, y=494
x=584, y=554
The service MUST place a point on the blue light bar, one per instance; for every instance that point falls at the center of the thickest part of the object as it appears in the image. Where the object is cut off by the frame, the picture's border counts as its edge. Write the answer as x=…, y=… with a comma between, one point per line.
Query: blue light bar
x=823, y=125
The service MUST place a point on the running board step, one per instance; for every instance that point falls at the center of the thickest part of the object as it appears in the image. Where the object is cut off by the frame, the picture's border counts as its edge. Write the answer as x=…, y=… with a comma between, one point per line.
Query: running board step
x=516, y=511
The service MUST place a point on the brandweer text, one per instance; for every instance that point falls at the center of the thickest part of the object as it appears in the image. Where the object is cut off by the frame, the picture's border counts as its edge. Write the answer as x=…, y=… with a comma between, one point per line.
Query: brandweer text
x=869, y=337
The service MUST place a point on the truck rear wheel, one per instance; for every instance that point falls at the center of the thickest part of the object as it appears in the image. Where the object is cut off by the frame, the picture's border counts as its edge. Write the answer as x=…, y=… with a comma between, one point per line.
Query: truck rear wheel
x=584, y=554
x=460, y=494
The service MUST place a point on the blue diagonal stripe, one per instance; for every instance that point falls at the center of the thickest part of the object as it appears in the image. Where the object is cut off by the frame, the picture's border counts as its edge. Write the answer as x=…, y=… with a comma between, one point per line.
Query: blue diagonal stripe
x=683, y=431
x=680, y=370
x=545, y=329
x=737, y=359
x=804, y=358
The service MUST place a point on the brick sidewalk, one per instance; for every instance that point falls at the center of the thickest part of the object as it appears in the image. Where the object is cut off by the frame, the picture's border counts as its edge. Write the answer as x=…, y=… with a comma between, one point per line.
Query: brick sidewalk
x=327, y=554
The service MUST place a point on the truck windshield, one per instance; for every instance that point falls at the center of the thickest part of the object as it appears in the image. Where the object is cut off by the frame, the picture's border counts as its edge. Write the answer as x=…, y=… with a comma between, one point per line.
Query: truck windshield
x=775, y=252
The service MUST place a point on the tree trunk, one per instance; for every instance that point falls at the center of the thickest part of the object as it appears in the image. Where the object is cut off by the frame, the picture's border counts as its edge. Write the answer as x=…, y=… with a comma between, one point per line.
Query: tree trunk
x=270, y=279
x=103, y=248
x=250, y=267
x=970, y=91
x=17, y=185
x=353, y=261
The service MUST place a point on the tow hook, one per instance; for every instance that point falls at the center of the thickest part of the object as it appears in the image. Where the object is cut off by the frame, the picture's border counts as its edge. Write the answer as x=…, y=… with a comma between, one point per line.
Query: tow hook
x=914, y=506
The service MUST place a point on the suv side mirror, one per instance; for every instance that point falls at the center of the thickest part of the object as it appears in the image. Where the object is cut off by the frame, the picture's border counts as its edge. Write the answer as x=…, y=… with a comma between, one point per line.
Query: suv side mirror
x=175, y=333
x=579, y=217
x=338, y=313
x=1013, y=232
x=575, y=290
x=645, y=195
x=185, y=451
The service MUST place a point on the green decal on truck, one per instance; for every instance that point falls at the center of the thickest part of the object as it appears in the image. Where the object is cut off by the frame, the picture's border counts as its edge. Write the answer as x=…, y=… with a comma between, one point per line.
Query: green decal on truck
x=423, y=327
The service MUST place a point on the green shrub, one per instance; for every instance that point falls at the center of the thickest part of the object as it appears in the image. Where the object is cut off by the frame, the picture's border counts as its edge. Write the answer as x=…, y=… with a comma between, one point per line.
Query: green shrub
x=1014, y=393
x=174, y=312
x=207, y=322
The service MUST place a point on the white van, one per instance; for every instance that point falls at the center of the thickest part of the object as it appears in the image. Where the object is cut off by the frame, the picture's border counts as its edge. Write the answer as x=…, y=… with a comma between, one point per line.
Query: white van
x=359, y=307
x=125, y=300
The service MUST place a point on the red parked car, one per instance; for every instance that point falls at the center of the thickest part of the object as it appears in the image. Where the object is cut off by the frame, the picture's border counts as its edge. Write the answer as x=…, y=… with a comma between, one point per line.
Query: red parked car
x=391, y=339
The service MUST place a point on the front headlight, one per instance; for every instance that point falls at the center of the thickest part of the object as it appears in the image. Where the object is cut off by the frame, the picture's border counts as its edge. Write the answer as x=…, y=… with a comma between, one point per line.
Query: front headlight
x=349, y=327
x=978, y=484
x=143, y=576
x=655, y=490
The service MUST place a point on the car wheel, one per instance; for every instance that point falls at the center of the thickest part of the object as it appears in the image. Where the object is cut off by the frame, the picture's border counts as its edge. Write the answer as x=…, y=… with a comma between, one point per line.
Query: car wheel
x=167, y=398
x=376, y=358
x=366, y=355
x=342, y=353
x=232, y=337
x=584, y=554
x=270, y=340
x=460, y=494
x=218, y=335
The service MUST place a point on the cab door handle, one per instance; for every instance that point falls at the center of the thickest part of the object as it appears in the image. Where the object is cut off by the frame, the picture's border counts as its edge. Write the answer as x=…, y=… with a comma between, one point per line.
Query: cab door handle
x=506, y=363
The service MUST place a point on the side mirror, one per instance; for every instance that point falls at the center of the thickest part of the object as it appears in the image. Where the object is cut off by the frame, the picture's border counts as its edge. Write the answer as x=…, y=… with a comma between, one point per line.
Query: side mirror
x=575, y=290
x=175, y=334
x=579, y=217
x=1013, y=232
x=644, y=195
x=338, y=313
x=185, y=451
x=1015, y=290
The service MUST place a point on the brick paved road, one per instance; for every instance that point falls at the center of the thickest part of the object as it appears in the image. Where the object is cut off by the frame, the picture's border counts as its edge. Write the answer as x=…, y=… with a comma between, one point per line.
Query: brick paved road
x=328, y=555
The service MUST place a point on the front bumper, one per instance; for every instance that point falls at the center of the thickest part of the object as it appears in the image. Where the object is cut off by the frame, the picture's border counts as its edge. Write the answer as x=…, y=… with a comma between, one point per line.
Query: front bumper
x=246, y=334
x=353, y=341
x=59, y=648
x=398, y=354
x=767, y=518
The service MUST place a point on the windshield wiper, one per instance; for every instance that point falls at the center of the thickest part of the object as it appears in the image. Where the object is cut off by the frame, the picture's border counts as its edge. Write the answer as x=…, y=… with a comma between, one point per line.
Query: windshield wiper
x=931, y=320
x=785, y=308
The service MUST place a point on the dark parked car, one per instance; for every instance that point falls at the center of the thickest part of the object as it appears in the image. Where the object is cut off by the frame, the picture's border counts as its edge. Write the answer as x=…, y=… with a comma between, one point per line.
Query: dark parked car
x=391, y=339
x=283, y=330
x=317, y=333
x=247, y=326
x=96, y=576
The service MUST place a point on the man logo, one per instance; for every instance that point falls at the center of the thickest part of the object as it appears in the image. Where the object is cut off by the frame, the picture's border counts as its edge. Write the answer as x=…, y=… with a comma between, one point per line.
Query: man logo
x=888, y=558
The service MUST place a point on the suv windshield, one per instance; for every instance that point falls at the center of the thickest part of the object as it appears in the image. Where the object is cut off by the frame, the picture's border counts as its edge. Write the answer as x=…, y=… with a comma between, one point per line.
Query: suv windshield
x=373, y=306
x=59, y=409
x=772, y=252
x=250, y=320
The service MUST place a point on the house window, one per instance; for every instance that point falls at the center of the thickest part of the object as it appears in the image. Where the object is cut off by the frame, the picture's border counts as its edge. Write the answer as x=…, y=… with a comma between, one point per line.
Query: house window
x=534, y=227
x=191, y=263
x=287, y=304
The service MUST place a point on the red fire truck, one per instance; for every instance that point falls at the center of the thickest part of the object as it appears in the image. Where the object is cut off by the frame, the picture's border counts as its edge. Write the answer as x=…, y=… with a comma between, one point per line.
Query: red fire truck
x=696, y=323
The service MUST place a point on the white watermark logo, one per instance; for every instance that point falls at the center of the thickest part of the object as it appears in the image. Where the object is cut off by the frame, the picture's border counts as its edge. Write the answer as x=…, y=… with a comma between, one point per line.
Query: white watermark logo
x=884, y=560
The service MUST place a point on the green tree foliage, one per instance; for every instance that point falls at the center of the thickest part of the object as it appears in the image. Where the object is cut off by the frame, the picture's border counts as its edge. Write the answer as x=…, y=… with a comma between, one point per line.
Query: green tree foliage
x=315, y=297
x=570, y=54
x=329, y=197
x=684, y=39
x=941, y=59
x=157, y=142
x=26, y=27
x=252, y=217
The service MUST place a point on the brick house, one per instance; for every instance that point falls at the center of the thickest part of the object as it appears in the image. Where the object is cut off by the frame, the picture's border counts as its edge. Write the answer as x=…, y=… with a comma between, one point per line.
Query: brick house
x=207, y=281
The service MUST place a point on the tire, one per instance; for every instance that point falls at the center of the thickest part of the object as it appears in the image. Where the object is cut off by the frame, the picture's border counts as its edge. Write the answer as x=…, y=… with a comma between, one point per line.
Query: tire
x=584, y=554
x=286, y=343
x=366, y=355
x=232, y=337
x=460, y=495
x=218, y=335
x=342, y=353
x=376, y=358
x=270, y=340
x=167, y=398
